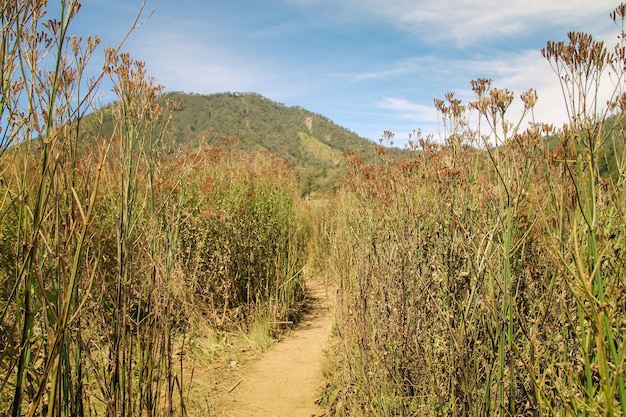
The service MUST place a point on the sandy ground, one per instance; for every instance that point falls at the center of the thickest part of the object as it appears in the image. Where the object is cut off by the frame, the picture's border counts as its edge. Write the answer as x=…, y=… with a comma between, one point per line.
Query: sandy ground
x=286, y=380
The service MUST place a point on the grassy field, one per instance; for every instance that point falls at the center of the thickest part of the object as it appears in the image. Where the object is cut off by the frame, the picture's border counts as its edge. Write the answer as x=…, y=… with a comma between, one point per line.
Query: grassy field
x=485, y=275
x=481, y=275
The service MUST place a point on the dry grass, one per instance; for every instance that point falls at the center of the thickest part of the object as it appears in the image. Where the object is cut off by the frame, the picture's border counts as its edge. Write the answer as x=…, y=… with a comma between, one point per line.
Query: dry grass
x=115, y=246
x=484, y=276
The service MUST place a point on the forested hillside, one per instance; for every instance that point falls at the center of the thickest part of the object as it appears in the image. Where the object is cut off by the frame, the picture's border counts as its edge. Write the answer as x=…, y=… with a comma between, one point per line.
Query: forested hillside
x=310, y=142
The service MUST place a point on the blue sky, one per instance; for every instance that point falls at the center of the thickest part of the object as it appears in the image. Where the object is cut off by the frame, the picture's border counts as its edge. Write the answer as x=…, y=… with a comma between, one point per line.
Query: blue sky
x=368, y=65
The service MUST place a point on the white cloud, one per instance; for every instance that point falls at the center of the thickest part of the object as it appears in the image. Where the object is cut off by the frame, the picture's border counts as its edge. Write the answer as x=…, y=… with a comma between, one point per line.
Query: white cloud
x=184, y=63
x=209, y=72
x=469, y=21
x=410, y=110
x=517, y=72
x=396, y=69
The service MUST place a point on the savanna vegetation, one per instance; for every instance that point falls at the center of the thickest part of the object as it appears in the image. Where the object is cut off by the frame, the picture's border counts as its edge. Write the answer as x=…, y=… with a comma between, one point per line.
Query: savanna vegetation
x=114, y=243
x=480, y=274
x=485, y=275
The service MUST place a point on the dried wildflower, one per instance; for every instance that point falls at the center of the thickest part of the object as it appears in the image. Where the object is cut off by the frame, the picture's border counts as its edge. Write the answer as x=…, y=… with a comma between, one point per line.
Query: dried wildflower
x=620, y=11
x=480, y=87
x=380, y=150
x=387, y=138
x=529, y=98
x=500, y=100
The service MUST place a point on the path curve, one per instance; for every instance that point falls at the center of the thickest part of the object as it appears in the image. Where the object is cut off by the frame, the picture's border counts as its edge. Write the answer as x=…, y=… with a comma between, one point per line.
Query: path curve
x=287, y=378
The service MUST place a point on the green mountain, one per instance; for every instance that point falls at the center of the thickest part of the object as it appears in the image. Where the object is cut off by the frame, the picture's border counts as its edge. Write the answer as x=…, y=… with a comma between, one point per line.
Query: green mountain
x=310, y=142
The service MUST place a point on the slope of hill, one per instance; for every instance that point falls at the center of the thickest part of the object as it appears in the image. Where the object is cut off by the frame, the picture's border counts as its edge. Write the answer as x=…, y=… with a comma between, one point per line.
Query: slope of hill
x=310, y=142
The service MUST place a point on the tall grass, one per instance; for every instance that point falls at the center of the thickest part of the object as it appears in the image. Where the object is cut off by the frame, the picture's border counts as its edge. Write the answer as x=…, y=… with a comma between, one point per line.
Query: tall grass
x=139, y=315
x=244, y=243
x=484, y=275
x=47, y=209
x=113, y=242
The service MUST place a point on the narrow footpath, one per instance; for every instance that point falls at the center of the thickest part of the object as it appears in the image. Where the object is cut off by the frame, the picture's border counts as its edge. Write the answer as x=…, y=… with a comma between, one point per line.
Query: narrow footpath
x=286, y=380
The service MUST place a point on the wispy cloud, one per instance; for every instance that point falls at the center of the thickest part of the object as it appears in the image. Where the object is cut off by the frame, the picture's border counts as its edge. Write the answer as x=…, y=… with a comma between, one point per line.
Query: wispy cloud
x=470, y=21
x=187, y=64
x=466, y=22
x=394, y=69
x=517, y=72
x=410, y=110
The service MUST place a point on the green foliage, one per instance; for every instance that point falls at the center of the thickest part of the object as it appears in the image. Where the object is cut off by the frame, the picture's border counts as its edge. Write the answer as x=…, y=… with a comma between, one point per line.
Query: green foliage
x=257, y=121
x=308, y=141
x=319, y=150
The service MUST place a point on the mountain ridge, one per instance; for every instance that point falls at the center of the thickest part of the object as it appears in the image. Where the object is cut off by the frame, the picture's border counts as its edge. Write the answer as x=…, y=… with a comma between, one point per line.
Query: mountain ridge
x=310, y=142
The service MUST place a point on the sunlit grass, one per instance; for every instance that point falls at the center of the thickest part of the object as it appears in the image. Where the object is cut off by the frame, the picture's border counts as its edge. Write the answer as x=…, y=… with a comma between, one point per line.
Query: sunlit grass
x=115, y=246
x=482, y=276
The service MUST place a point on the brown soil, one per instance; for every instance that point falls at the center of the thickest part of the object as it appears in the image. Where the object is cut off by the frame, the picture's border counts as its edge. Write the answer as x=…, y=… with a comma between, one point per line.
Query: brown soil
x=286, y=379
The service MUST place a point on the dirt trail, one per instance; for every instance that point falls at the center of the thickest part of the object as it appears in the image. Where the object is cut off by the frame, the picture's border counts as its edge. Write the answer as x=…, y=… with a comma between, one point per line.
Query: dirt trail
x=286, y=379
